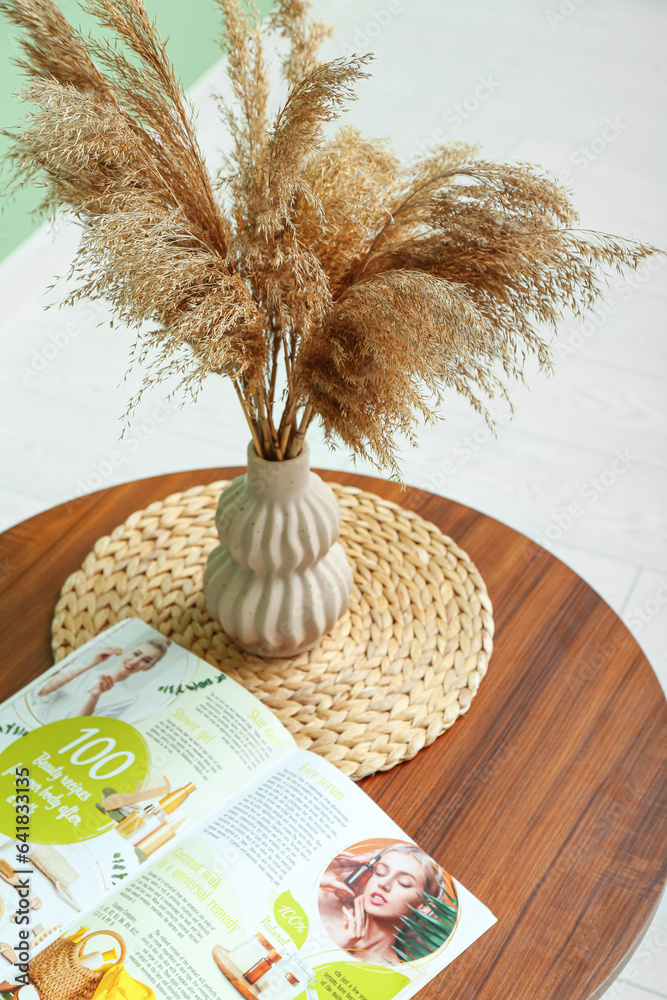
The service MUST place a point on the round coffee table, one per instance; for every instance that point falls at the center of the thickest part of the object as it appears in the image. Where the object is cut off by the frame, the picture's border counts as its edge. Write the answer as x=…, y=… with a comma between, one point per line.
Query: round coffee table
x=548, y=800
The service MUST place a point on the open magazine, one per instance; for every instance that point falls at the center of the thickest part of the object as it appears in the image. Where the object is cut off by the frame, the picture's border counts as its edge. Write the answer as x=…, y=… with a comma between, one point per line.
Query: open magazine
x=164, y=838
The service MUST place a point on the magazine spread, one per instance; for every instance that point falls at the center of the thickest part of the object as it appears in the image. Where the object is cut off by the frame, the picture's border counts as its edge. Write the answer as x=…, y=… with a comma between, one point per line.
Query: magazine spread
x=163, y=837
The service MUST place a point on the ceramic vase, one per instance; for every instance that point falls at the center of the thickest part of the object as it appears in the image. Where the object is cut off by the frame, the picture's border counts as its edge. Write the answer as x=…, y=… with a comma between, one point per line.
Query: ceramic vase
x=279, y=580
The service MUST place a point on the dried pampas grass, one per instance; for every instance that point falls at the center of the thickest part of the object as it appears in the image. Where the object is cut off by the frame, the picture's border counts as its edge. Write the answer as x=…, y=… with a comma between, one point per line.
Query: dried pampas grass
x=366, y=286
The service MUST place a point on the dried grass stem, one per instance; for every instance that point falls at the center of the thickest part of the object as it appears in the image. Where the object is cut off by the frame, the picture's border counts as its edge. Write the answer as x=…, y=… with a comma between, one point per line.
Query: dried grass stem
x=369, y=287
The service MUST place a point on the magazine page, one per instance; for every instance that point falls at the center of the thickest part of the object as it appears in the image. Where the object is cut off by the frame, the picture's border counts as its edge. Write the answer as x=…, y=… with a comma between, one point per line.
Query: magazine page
x=106, y=760
x=298, y=888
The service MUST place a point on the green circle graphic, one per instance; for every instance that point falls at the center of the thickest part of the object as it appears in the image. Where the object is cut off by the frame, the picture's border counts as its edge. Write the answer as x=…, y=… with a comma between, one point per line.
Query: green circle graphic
x=71, y=763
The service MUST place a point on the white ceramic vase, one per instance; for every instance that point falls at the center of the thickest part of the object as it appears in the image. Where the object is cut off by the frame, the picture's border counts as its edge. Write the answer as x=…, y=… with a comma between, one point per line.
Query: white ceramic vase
x=279, y=579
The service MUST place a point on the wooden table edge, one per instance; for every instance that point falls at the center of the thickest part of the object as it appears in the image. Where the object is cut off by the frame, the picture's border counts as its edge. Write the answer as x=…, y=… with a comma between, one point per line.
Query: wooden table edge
x=114, y=504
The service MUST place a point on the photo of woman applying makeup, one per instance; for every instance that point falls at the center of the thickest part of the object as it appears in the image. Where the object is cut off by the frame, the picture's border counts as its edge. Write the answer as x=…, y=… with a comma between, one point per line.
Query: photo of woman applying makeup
x=106, y=685
x=387, y=905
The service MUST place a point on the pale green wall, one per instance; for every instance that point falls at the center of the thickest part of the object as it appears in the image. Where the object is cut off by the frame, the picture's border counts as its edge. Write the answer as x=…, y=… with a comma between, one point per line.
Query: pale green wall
x=192, y=26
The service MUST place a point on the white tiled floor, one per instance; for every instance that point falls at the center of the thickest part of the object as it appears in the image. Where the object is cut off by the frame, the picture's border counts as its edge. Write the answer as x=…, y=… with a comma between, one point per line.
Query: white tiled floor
x=550, y=76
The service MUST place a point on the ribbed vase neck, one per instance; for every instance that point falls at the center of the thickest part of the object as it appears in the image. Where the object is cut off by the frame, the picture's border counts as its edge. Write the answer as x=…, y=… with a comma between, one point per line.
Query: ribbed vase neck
x=278, y=480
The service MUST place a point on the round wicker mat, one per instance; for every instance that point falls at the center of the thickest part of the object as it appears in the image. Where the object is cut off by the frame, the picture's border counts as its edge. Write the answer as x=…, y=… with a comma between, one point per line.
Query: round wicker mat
x=396, y=670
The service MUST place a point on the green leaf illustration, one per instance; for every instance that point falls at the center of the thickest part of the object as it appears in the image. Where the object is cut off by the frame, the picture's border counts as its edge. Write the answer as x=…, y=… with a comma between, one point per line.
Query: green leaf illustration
x=422, y=933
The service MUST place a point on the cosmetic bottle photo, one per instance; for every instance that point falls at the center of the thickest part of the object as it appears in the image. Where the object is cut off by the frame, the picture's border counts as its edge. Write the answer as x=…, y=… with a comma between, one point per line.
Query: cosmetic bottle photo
x=137, y=824
x=170, y=802
x=254, y=974
x=149, y=844
x=96, y=959
x=286, y=980
x=360, y=876
x=249, y=953
x=130, y=824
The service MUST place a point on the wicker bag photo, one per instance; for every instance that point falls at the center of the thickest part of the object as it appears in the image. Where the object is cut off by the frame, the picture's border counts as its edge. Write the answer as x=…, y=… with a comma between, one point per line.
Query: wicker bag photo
x=57, y=972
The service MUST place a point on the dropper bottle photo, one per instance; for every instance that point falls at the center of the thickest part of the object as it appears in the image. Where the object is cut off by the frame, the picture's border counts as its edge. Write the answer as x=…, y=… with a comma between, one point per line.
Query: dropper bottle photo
x=360, y=876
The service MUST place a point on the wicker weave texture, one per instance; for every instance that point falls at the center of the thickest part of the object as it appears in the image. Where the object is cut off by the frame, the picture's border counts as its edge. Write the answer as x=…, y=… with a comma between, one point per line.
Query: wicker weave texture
x=57, y=972
x=400, y=666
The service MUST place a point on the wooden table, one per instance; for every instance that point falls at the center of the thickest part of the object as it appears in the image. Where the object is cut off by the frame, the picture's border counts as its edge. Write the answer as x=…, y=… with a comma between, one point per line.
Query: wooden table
x=548, y=800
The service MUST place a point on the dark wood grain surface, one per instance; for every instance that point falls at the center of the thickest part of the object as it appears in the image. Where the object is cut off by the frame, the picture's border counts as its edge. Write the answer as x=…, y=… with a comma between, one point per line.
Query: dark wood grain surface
x=548, y=800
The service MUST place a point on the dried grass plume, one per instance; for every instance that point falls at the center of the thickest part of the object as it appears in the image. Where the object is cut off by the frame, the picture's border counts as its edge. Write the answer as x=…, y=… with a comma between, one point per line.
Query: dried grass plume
x=365, y=287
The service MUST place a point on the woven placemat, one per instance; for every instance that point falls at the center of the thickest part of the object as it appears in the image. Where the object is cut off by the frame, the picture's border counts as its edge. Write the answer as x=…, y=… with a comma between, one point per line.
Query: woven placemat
x=396, y=670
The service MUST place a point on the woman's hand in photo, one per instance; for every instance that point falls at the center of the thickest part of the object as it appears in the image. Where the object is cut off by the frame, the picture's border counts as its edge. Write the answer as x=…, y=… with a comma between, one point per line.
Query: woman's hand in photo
x=105, y=653
x=104, y=683
x=62, y=679
x=353, y=925
x=333, y=879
